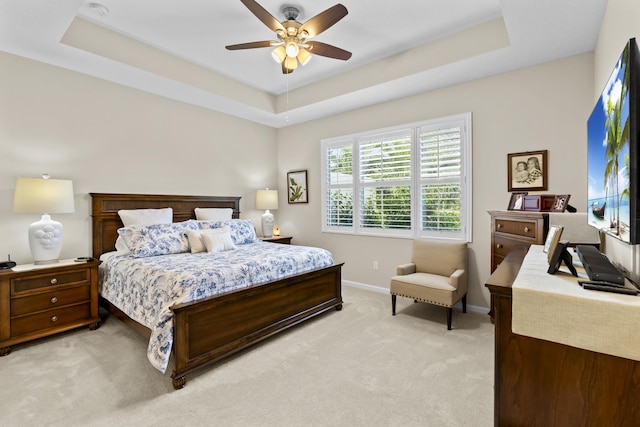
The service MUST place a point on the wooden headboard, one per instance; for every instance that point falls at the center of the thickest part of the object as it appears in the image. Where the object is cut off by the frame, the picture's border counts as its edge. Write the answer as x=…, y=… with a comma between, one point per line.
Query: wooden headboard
x=105, y=220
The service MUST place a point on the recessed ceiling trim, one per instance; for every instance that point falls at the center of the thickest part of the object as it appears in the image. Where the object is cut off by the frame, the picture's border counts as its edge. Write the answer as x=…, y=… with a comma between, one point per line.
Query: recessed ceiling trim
x=101, y=41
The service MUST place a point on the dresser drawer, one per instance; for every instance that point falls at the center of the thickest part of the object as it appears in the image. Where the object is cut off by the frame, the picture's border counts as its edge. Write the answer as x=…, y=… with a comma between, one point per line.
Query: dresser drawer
x=48, y=300
x=502, y=245
x=49, y=319
x=519, y=228
x=29, y=283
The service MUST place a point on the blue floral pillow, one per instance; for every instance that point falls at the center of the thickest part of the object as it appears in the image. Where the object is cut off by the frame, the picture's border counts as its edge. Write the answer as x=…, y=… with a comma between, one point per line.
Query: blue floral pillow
x=242, y=230
x=157, y=239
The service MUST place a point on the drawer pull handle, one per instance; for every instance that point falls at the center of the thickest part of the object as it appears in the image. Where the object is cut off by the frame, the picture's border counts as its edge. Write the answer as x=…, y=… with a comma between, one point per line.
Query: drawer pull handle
x=54, y=281
x=54, y=318
x=499, y=225
x=499, y=246
x=526, y=229
x=54, y=300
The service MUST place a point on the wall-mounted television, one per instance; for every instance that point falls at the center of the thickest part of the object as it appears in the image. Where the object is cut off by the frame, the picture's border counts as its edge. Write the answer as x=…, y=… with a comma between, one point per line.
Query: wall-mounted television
x=612, y=152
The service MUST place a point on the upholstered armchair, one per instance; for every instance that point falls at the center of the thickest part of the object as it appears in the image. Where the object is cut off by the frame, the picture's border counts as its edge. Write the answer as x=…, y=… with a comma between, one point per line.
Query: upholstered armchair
x=437, y=274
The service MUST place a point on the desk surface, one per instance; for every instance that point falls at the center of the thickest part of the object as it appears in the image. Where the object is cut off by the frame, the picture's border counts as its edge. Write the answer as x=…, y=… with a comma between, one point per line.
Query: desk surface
x=554, y=307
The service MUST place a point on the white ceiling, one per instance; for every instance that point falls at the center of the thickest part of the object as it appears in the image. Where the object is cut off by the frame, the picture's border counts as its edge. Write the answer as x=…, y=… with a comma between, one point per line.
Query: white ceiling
x=176, y=48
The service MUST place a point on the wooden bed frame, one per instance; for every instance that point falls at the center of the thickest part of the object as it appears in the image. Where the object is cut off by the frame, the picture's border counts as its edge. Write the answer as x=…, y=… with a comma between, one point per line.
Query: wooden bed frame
x=207, y=330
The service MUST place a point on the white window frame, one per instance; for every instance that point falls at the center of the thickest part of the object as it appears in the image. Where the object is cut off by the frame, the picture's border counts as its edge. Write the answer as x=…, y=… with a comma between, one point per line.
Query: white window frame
x=462, y=121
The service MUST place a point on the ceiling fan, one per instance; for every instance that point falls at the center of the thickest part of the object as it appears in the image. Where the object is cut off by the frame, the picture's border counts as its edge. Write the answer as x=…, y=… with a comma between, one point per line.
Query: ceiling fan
x=293, y=43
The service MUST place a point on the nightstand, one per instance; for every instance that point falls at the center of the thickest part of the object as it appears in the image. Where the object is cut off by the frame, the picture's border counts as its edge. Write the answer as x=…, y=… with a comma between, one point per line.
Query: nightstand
x=285, y=240
x=41, y=300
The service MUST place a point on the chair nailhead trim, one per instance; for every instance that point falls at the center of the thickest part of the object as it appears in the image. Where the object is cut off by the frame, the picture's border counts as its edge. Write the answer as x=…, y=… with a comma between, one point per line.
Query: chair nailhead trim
x=423, y=300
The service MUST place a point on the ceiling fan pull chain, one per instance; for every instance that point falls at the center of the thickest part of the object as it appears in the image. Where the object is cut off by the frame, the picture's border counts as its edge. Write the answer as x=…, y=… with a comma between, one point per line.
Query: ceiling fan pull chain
x=286, y=116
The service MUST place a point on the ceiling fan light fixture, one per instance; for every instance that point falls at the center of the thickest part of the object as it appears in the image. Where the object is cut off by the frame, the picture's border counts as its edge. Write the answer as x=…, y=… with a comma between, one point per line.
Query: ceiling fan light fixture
x=279, y=54
x=304, y=56
x=292, y=49
x=292, y=45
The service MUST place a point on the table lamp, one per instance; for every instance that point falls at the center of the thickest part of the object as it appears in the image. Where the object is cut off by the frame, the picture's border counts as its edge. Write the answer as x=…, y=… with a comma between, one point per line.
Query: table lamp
x=267, y=199
x=44, y=196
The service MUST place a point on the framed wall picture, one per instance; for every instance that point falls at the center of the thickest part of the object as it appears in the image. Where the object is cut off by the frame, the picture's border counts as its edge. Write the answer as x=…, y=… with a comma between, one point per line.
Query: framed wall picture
x=297, y=187
x=560, y=203
x=517, y=201
x=527, y=171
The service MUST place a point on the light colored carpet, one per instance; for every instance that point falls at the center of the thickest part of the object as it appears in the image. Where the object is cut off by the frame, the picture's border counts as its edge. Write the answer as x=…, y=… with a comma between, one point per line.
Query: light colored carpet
x=357, y=367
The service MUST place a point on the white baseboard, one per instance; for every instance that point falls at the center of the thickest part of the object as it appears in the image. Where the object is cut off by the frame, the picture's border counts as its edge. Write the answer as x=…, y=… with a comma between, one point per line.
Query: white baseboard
x=380, y=290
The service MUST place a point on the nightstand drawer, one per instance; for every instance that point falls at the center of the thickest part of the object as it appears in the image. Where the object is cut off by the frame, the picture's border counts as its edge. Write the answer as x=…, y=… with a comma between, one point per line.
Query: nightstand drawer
x=49, y=319
x=29, y=283
x=48, y=300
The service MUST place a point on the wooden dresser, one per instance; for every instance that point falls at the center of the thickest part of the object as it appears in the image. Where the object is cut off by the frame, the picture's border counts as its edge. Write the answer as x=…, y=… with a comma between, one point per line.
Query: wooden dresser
x=510, y=228
x=544, y=383
x=38, y=301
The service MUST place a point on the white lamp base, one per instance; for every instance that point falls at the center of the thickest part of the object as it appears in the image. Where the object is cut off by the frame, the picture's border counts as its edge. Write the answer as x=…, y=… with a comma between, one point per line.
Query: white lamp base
x=267, y=224
x=45, y=240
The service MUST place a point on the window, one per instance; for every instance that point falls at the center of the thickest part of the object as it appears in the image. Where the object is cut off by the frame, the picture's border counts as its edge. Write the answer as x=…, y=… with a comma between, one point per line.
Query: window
x=407, y=181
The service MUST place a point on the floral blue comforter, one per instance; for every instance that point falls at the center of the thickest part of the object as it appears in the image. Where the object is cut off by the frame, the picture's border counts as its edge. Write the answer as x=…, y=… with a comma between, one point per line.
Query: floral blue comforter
x=146, y=288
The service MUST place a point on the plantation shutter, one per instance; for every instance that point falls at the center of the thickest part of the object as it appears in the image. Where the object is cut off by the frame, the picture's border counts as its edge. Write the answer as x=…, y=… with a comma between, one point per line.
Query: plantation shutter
x=385, y=181
x=440, y=179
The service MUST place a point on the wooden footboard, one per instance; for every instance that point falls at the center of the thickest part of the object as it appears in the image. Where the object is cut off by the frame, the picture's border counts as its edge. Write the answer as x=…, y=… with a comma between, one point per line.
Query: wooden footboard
x=208, y=330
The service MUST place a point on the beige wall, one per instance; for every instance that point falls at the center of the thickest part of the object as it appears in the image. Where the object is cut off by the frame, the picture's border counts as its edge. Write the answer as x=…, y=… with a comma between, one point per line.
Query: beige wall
x=110, y=138
x=621, y=22
x=538, y=108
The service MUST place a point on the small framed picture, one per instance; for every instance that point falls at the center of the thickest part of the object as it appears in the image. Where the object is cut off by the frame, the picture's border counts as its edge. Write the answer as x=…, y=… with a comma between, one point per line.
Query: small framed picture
x=555, y=231
x=527, y=171
x=560, y=203
x=297, y=187
x=517, y=201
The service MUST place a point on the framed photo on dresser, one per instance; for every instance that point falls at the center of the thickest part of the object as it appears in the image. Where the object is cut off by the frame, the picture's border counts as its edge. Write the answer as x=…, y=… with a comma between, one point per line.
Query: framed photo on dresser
x=517, y=201
x=553, y=237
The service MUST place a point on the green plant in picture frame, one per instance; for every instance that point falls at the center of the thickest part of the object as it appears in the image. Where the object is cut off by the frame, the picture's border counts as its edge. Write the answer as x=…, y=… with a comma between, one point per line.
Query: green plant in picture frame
x=297, y=186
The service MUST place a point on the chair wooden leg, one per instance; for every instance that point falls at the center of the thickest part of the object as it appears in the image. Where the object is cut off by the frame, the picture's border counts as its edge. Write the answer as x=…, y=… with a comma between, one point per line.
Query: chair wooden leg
x=393, y=305
x=449, y=315
x=464, y=303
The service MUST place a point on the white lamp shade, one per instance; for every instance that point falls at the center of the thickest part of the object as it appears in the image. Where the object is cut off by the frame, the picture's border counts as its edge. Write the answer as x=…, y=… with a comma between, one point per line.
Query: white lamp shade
x=304, y=56
x=279, y=54
x=291, y=63
x=38, y=195
x=44, y=196
x=267, y=199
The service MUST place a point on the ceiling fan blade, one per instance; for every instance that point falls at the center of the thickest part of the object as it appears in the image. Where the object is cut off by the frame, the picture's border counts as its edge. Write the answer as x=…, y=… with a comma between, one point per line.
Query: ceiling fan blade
x=251, y=45
x=261, y=13
x=323, y=20
x=323, y=49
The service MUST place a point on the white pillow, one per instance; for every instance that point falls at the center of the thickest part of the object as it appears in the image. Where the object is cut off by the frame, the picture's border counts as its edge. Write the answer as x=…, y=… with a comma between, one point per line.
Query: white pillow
x=121, y=246
x=213, y=214
x=146, y=216
x=217, y=239
x=196, y=242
